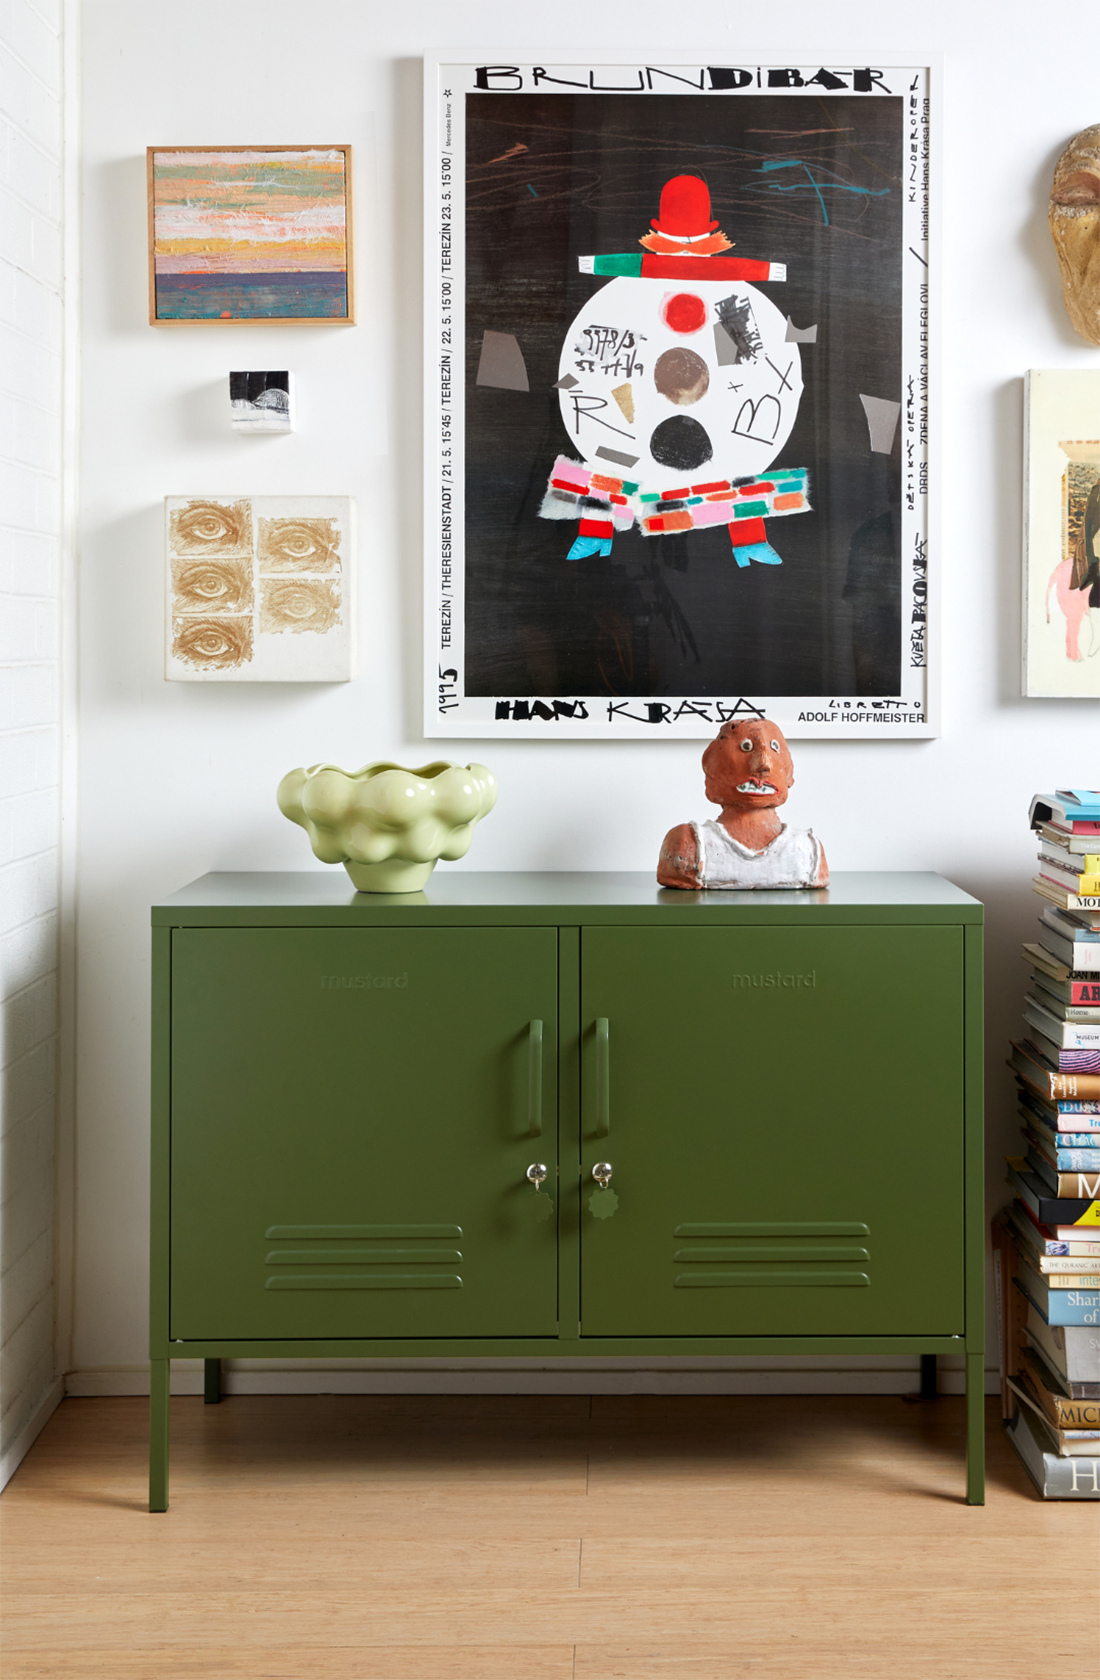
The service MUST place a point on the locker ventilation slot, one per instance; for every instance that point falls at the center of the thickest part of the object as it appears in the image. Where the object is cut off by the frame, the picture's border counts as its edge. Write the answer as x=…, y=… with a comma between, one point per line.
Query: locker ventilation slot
x=363, y=1246
x=365, y=1280
x=775, y=1255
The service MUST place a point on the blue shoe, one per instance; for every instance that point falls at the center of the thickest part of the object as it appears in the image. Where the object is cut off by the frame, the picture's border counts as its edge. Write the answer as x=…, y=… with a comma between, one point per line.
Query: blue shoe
x=763, y=553
x=585, y=547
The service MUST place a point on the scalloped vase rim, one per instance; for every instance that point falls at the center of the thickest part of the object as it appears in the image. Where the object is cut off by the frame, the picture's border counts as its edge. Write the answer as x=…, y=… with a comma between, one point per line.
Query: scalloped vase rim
x=380, y=766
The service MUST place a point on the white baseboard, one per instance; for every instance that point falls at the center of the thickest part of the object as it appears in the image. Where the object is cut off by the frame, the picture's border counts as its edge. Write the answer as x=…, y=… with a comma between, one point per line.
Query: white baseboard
x=25, y=1440
x=760, y=1376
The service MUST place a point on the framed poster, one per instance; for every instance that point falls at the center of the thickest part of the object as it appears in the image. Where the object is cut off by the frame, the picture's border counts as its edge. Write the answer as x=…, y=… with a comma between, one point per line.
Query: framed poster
x=679, y=321
x=1061, y=615
x=247, y=234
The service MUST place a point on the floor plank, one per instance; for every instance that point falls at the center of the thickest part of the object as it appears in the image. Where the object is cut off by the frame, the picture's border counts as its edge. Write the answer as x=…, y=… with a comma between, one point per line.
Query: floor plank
x=537, y=1538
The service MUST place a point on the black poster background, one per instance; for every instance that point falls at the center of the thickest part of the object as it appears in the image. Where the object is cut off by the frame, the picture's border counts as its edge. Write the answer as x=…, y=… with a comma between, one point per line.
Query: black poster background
x=675, y=615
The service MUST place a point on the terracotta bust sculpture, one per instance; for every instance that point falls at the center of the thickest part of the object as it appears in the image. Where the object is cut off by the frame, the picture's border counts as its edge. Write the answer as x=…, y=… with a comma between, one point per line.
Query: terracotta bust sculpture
x=749, y=773
x=1075, y=228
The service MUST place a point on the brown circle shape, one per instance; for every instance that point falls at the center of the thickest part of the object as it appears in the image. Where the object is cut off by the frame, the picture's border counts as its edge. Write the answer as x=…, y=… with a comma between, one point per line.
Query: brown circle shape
x=681, y=376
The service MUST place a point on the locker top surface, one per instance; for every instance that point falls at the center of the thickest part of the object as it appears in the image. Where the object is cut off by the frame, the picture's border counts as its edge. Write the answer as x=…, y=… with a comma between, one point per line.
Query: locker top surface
x=326, y=897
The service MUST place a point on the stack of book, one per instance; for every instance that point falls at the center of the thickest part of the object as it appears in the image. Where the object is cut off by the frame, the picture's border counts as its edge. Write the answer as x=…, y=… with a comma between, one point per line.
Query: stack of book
x=1047, y=1242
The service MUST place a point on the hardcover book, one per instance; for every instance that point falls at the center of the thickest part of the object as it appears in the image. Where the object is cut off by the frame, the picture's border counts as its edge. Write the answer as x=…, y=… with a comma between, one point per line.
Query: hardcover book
x=1085, y=883
x=1082, y=994
x=1068, y=1035
x=1074, y=845
x=1073, y=854
x=1085, y=1061
x=1066, y=899
x=1076, y=1423
x=1022, y=1217
x=1073, y=1352
x=1067, y=807
x=1060, y=1307
x=1070, y=926
x=1055, y=1477
x=1077, y=955
x=1051, y=1210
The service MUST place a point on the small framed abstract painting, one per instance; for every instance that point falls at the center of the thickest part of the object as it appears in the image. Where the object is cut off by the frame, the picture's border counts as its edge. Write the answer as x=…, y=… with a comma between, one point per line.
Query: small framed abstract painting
x=681, y=458
x=1061, y=611
x=242, y=234
x=259, y=588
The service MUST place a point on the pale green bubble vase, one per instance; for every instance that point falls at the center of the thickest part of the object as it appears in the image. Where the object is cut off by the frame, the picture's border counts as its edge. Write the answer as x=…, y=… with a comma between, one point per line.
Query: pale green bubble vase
x=386, y=825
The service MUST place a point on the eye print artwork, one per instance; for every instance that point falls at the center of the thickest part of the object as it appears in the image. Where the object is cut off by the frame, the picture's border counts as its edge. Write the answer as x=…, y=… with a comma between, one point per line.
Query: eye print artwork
x=260, y=588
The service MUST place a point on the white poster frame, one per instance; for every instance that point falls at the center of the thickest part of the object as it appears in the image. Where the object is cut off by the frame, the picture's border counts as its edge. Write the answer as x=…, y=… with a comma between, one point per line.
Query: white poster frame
x=913, y=713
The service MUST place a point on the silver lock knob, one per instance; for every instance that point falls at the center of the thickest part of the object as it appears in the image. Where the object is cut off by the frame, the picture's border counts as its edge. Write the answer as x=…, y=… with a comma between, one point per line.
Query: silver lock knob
x=536, y=1172
x=601, y=1172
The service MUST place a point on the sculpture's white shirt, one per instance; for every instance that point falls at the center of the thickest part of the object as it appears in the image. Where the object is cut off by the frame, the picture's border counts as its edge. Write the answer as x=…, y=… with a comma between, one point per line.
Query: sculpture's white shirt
x=791, y=860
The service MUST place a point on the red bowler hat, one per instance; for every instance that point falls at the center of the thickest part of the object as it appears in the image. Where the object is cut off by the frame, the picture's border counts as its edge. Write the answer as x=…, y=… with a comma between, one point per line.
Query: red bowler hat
x=685, y=209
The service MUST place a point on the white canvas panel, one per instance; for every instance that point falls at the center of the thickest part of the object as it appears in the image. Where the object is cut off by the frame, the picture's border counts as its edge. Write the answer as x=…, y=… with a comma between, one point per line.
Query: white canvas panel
x=259, y=588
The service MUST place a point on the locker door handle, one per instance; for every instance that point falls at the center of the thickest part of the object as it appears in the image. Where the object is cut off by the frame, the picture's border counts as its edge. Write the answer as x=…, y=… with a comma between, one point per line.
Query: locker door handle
x=534, y=1079
x=603, y=1077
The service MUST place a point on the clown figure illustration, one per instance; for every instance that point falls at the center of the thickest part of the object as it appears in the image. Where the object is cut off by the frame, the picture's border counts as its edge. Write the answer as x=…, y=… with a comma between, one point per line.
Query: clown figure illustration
x=679, y=384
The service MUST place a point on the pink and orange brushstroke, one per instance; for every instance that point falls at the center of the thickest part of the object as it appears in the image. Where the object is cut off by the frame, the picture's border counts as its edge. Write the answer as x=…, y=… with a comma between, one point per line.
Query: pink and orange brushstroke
x=250, y=235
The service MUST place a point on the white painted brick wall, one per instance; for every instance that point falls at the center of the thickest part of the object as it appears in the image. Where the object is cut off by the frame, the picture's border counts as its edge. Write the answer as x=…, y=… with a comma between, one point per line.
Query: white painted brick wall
x=30, y=522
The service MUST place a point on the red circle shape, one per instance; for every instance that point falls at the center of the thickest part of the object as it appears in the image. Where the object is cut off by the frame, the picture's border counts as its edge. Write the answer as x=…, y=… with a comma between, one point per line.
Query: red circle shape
x=684, y=312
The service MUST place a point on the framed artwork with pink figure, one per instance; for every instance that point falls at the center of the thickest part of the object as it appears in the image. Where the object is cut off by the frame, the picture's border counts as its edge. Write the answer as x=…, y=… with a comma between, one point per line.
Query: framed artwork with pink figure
x=679, y=460
x=1061, y=607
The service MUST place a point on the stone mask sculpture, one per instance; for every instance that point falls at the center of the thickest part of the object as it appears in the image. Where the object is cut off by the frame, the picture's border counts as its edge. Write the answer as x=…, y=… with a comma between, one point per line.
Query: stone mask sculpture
x=749, y=773
x=1075, y=229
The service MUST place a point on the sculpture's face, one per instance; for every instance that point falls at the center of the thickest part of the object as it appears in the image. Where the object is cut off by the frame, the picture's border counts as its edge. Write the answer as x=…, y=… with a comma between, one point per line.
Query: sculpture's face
x=748, y=766
x=1075, y=228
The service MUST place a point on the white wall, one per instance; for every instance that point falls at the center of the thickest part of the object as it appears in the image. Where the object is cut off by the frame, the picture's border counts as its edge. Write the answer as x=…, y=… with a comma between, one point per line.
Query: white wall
x=31, y=392
x=178, y=779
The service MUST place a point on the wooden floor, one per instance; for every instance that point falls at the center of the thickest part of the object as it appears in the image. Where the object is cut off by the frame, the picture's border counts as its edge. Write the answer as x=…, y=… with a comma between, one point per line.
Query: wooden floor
x=540, y=1538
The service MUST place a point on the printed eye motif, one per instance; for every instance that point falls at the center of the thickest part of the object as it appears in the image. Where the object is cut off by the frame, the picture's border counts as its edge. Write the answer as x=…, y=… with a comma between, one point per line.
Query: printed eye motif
x=213, y=643
x=298, y=604
x=299, y=545
x=774, y=746
x=746, y=746
x=211, y=585
x=223, y=528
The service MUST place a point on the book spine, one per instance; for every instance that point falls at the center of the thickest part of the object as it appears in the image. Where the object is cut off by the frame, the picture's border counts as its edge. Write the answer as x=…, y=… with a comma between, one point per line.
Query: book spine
x=1070, y=879
x=1076, y=862
x=1074, y=1352
x=1085, y=1253
x=1079, y=1186
x=1079, y=956
x=1067, y=1035
x=1078, y=1160
x=1078, y=1307
x=1073, y=1280
x=1063, y=897
x=1076, y=926
x=1055, y=1478
x=1074, y=1087
x=1058, y=998
x=1076, y=1217
x=1066, y=1061
x=1074, y=1308
x=1056, y=1264
x=1082, y=1356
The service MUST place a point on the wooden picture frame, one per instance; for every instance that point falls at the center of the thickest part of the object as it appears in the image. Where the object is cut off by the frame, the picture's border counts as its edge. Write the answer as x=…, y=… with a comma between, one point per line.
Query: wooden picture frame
x=188, y=282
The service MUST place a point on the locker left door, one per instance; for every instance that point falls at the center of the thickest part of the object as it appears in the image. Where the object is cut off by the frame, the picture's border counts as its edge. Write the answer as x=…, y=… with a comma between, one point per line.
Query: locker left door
x=352, y=1118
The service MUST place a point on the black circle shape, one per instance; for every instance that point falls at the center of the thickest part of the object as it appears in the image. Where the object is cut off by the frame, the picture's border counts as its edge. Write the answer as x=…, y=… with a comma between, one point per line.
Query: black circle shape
x=681, y=443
